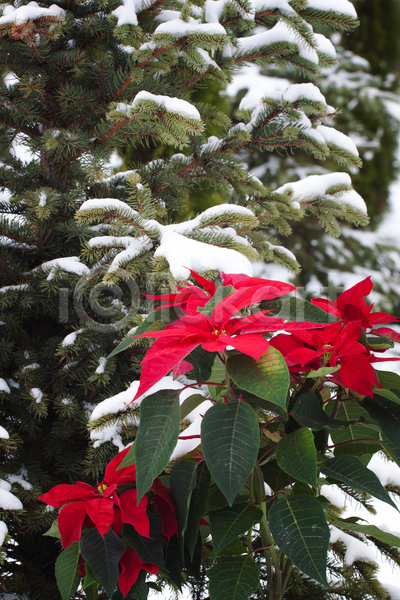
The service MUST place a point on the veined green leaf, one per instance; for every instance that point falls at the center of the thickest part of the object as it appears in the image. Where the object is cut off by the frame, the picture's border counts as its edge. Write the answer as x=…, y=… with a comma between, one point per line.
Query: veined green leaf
x=53, y=531
x=103, y=554
x=297, y=309
x=151, y=549
x=268, y=378
x=228, y=523
x=67, y=574
x=230, y=440
x=190, y=404
x=183, y=482
x=129, y=458
x=323, y=371
x=387, y=414
x=297, y=456
x=346, y=440
x=233, y=578
x=308, y=412
x=350, y=471
x=389, y=380
x=198, y=503
x=157, y=436
x=299, y=528
x=382, y=536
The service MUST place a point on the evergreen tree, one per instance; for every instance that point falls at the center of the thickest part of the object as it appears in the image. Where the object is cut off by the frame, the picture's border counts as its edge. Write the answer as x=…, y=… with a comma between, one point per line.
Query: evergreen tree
x=88, y=77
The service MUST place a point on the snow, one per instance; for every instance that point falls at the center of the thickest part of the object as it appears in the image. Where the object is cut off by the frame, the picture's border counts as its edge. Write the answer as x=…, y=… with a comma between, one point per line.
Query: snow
x=36, y=394
x=30, y=367
x=282, y=5
x=70, y=338
x=173, y=105
x=18, y=288
x=3, y=532
x=337, y=138
x=213, y=10
x=316, y=186
x=30, y=11
x=324, y=46
x=306, y=91
x=4, y=435
x=387, y=472
x=393, y=591
x=102, y=365
x=4, y=386
x=42, y=199
x=109, y=204
x=19, y=479
x=355, y=548
x=8, y=501
x=183, y=254
x=279, y=33
x=179, y=28
x=134, y=247
x=71, y=264
x=126, y=13
x=338, y=6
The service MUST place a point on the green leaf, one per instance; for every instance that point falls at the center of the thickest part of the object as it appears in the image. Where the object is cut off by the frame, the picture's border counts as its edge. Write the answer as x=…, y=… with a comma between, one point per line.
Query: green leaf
x=230, y=440
x=217, y=372
x=274, y=476
x=379, y=342
x=67, y=574
x=217, y=500
x=92, y=592
x=103, y=555
x=382, y=536
x=296, y=455
x=151, y=549
x=198, y=503
x=202, y=362
x=233, y=578
x=157, y=436
x=308, y=412
x=193, y=563
x=53, y=531
x=228, y=523
x=323, y=371
x=389, y=380
x=220, y=293
x=89, y=578
x=174, y=561
x=297, y=309
x=235, y=548
x=348, y=438
x=268, y=378
x=129, y=458
x=190, y=404
x=299, y=528
x=183, y=482
x=264, y=404
x=387, y=414
x=389, y=394
x=350, y=471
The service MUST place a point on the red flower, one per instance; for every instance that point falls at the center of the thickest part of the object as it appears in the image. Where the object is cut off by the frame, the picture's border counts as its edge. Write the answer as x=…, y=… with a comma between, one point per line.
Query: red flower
x=351, y=306
x=82, y=500
x=330, y=346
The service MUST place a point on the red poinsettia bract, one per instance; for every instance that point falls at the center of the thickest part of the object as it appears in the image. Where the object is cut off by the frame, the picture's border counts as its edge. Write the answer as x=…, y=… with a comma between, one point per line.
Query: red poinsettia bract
x=103, y=507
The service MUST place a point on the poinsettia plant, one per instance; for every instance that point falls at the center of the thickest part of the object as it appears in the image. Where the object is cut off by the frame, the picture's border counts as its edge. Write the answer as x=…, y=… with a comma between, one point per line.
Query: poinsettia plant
x=287, y=401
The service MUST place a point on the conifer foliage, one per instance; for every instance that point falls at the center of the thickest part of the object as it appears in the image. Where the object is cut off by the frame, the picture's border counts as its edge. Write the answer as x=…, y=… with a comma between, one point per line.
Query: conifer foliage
x=79, y=243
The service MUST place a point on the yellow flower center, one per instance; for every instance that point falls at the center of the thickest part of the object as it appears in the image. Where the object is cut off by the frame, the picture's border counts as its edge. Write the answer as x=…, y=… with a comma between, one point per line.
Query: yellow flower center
x=102, y=487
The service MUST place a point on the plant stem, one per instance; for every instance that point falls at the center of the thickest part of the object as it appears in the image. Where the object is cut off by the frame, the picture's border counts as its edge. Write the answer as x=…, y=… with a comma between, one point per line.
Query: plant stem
x=270, y=555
